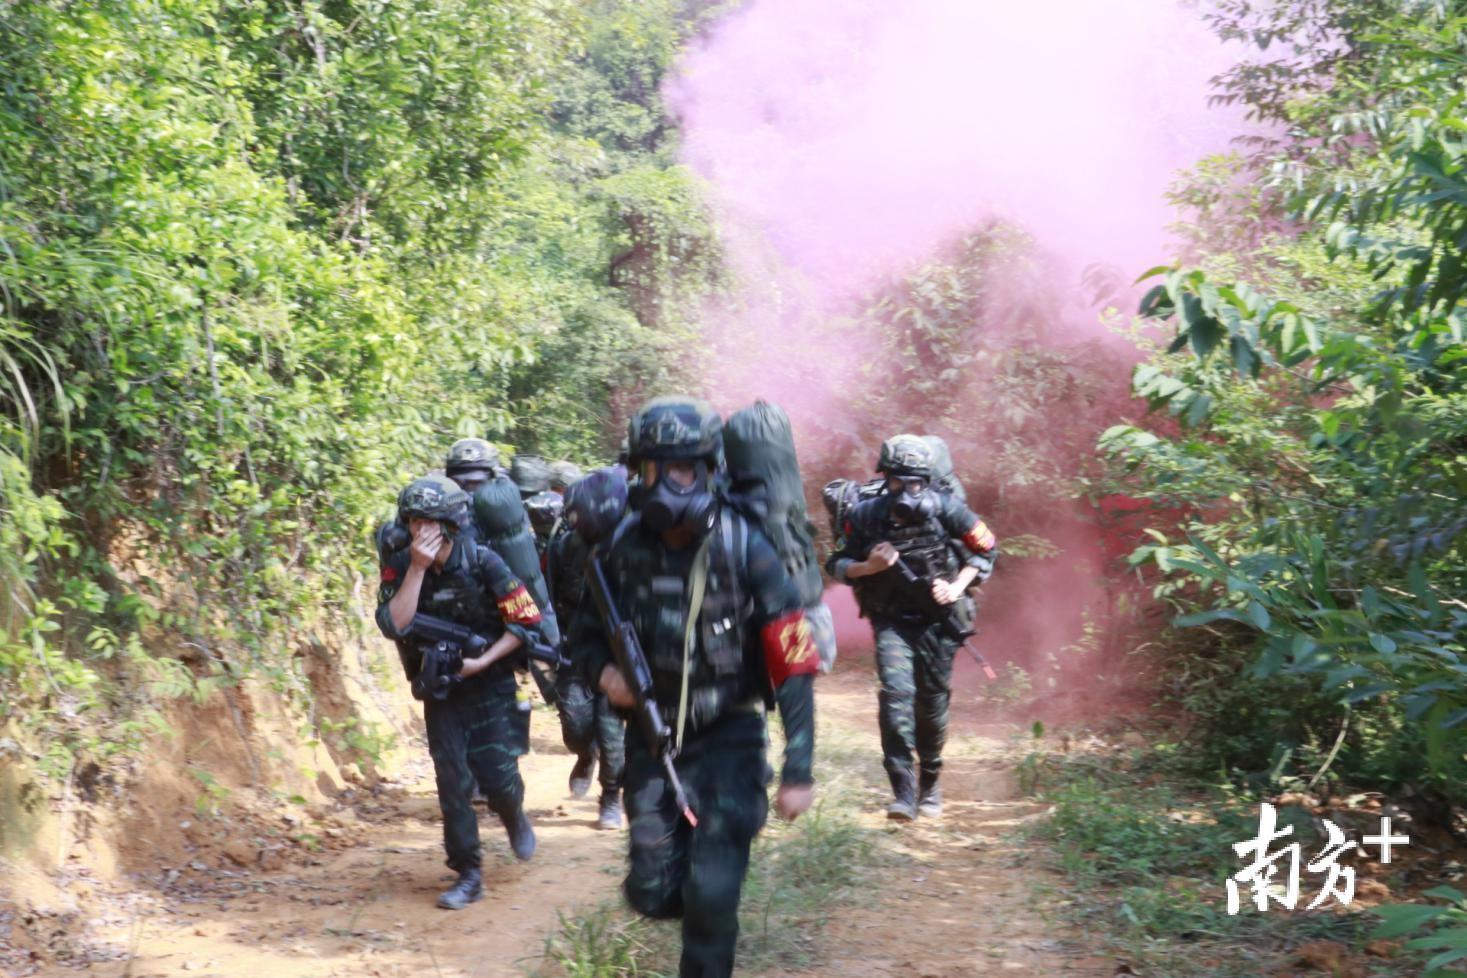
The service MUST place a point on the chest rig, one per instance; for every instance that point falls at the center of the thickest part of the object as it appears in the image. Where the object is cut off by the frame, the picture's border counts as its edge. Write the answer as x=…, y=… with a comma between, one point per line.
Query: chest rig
x=457, y=593
x=924, y=547
x=657, y=593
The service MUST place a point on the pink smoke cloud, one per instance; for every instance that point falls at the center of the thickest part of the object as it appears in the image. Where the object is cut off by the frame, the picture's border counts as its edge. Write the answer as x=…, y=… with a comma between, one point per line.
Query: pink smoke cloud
x=850, y=137
x=845, y=141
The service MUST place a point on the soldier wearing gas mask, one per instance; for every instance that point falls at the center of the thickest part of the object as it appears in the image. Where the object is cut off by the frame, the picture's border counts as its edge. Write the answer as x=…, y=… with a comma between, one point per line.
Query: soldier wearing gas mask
x=589, y=727
x=724, y=636
x=476, y=733
x=945, y=544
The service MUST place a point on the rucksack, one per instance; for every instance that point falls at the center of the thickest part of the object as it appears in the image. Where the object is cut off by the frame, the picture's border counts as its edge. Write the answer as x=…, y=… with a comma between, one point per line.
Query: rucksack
x=944, y=478
x=765, y=485
x=504, y=527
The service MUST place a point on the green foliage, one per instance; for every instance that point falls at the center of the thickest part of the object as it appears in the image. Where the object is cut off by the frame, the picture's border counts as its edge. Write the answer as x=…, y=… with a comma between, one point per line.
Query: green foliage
x=1315, y=461
x=1145, y=864
x=259, y=264
x=796, y=877
x=1445, y=928
x=1120, y=835
x=798, y=873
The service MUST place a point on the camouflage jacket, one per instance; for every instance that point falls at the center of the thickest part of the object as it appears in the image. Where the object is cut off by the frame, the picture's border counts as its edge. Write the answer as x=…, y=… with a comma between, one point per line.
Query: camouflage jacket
x=747, y=589
x=474, y=587
x=937, y=547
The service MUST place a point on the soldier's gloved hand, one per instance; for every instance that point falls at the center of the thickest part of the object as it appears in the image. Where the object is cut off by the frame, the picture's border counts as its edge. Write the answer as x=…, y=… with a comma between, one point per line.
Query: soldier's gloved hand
x=426, y=543
x=793, y=800
x=614, y=685
x=945, y=592
x=883, y=556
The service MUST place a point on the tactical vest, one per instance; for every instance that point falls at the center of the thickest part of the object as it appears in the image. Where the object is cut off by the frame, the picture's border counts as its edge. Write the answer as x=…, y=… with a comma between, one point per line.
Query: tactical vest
x=457, y=594
x=925, y=547
x=656, y=604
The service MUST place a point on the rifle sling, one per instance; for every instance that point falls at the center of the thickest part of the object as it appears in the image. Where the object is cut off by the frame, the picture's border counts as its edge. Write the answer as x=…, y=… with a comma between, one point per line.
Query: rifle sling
x=698, y=581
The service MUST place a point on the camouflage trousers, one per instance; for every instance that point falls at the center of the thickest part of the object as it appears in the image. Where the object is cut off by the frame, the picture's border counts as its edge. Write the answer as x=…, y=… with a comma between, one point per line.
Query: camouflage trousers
x=915, y=666
x=589, y=724
x=698, y=873
x=476, y=736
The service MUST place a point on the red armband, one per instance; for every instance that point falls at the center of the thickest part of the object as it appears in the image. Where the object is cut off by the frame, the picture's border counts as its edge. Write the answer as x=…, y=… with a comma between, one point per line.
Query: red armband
x=789, y=648
x=389, y=574
x=517, y=606
x=980, y=539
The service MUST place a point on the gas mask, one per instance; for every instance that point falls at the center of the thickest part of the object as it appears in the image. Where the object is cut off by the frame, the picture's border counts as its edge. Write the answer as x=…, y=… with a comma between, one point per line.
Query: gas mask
x=666, y=505
x=914, y=502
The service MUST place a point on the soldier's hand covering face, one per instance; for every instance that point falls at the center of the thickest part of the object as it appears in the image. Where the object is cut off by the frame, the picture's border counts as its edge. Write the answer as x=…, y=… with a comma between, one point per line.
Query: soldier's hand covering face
x=427, y=541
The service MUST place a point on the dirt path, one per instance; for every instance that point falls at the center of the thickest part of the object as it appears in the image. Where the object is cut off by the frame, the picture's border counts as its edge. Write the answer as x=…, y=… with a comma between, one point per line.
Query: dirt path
x=955, y=899
x=959, y=901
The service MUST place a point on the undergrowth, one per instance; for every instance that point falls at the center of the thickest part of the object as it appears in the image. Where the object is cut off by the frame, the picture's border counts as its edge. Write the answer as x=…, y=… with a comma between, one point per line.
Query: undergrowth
x=1145, y=858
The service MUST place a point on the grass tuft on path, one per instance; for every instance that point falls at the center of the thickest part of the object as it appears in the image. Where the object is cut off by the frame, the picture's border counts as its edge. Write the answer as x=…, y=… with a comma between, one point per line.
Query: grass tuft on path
x=798, y=873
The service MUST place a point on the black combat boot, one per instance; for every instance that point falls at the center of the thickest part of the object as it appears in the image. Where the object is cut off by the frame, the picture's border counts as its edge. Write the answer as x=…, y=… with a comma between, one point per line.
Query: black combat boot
x=610, y=818
x=521, y=833
x=468, y=889
x=580, y=776
x=929, y=798
x=903, y=807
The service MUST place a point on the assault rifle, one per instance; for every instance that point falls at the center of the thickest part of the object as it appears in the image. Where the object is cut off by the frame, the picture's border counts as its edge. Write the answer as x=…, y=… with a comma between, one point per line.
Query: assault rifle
x=626, y=648
x=448, y=644
x=918, y=592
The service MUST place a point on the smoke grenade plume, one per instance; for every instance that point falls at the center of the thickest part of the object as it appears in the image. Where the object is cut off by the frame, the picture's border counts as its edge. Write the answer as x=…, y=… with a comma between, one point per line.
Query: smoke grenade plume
x=909, y=194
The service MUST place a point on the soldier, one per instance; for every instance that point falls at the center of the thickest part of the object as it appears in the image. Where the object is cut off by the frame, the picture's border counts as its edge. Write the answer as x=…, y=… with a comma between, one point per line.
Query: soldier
x=574, y=700
x=475, y=732
x=544, y=509
x=471, y=463
x=563, y=475
x=590, y=725
x=927, y=530
x=725, y=637
x=531, y=473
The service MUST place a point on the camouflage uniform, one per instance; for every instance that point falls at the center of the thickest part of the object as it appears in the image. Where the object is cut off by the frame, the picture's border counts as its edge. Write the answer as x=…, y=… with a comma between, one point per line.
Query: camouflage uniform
x=478, y=733
x=750, y=635
x=913, y=660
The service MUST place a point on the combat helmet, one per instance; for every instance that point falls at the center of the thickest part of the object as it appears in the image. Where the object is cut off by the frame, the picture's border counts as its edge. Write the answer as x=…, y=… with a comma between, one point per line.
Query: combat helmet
x=544, y=509
x=434, y=497
x=675, y=428
x=562, y=474
x=595, y=504
x=905, y=455
x=530, y=473
x=471, y=453
x=682, y=429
